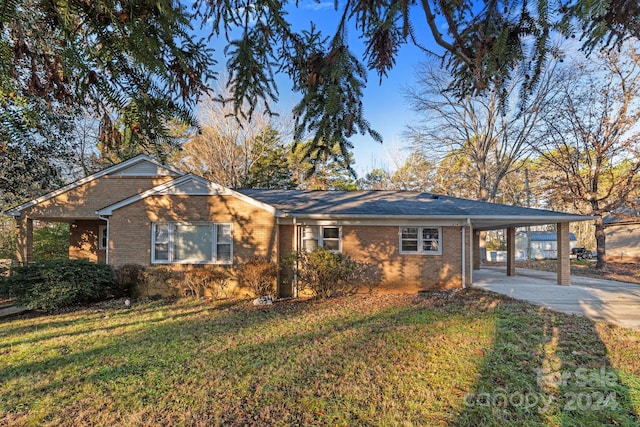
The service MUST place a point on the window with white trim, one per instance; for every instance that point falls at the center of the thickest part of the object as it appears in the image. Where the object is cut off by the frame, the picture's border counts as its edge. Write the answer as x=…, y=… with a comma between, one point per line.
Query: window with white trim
x=102, y=237
x=314, y=236
x=191, y=243
x=421, y=240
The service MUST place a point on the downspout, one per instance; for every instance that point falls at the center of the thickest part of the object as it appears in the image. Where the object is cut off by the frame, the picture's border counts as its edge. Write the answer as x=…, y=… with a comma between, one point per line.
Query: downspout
x=106, y=248
x=295, y=264
x=464, y=261
x=470, y=249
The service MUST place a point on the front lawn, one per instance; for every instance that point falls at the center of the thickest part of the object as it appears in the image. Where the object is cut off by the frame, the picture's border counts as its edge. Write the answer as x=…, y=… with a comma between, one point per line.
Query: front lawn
x=443, y=358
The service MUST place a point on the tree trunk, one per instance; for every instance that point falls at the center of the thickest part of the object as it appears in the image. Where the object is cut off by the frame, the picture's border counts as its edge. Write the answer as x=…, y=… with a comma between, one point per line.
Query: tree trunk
x=600, y=244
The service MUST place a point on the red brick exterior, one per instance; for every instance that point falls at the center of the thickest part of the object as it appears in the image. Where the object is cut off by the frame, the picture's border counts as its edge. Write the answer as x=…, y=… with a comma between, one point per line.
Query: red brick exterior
x=84, y=241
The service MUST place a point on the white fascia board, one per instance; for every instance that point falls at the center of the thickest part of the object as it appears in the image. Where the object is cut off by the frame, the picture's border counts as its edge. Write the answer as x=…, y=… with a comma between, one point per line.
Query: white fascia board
x=110, y=170
x=454, y=220
x=173, y=188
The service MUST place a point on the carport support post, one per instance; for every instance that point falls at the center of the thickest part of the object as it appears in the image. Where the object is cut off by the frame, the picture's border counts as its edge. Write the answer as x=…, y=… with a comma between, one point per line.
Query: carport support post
x=24, y=231
x=511, y=251
x=476, y=250
x=564, y=266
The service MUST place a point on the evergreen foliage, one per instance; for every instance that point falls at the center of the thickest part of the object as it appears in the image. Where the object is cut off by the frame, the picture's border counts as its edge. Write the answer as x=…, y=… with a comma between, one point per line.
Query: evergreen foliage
x=136, y=64
x=54, y=284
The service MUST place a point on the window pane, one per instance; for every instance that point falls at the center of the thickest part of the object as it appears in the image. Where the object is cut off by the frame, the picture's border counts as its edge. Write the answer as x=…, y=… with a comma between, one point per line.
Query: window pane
x=331, y=232
x=430, y=233
x=224, y=233
x=193, y=243
x=410, y=233
x=332, y=245
x=409, y=246
x=431, y=237
x=162, y=252
x=161, y=238
x=224, y=252
x=162, y=233
x=223, y=245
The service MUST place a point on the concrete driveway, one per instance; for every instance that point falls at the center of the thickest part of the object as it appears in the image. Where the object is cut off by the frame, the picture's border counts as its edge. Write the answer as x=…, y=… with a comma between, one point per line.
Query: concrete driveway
x=601, y=300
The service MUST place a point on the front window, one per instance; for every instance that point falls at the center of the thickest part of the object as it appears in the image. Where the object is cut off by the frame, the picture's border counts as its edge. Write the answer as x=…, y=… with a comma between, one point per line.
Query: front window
x=314, y=236
x=191, y=243
x=421, y=240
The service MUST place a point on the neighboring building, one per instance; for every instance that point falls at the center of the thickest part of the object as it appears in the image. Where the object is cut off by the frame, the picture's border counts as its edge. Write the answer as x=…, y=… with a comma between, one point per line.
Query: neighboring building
x=622, y=235
x=142, y=212
x=544, y=244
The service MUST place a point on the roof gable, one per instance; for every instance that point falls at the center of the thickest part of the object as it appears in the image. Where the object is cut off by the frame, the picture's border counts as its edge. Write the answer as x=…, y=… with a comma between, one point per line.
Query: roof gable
x=139, y=166
x=187, y=185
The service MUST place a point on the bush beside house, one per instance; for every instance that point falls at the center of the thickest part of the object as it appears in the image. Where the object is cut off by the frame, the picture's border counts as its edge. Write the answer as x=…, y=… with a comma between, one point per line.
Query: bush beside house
x=50, y=285
x=328, y=274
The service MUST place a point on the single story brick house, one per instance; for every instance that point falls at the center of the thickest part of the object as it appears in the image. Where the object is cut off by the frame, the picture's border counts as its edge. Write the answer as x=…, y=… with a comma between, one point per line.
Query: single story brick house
x=143, y=212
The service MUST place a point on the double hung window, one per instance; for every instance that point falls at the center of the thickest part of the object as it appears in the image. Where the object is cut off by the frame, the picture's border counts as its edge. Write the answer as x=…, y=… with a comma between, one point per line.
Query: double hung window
x=191, y=243
x=421, y=240
x=314, y=236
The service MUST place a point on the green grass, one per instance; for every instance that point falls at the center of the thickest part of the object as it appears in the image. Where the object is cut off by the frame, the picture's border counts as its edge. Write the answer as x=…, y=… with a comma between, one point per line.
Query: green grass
x=469, y=358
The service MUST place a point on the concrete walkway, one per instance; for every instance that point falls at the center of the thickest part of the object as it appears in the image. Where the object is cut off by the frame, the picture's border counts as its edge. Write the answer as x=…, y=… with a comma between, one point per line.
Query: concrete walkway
x=11, y=310
x=602, y=300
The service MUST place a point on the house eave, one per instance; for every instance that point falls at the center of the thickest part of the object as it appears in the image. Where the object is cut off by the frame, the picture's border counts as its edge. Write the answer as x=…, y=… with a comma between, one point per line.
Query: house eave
x=479, y=222
x=16, y=210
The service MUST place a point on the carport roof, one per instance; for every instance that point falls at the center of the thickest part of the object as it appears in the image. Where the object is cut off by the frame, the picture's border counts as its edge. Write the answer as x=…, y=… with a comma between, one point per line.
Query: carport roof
x=404, y=205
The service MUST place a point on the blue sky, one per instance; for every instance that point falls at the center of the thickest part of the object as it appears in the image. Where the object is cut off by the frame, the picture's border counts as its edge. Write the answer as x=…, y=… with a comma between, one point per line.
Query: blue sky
x=385, y=105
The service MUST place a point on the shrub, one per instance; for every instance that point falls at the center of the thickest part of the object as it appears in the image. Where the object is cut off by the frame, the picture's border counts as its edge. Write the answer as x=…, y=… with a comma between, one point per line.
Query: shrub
x=54, y=284
x=206, y=280
x=159, y=280
x=130, y=279
x=259, y=275
x=328, y=274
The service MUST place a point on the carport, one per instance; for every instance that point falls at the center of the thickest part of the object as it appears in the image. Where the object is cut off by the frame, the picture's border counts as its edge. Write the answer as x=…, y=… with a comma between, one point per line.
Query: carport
x=511, y=222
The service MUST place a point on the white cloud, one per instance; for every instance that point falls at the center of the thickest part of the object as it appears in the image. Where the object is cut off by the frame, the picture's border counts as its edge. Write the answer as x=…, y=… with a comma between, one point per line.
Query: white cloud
x=321, y=5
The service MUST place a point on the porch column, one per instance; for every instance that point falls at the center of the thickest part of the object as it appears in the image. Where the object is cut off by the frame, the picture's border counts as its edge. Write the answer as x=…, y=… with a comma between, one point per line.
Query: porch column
x=476, y=250
x=564, y=266
x=24, y=231
x=511, y=251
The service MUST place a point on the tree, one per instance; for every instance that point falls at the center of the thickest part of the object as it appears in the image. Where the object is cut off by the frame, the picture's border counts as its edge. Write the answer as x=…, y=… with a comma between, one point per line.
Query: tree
x=486, y=133
x=138, y=60
x=590, y=145
x=375, y=179
x=272, y=170
x=135, y=63
x=484, y=45
x=227, y=147
x=322, y=167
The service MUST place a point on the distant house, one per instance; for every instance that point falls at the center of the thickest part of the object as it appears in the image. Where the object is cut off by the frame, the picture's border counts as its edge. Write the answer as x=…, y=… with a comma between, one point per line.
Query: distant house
x=544, y=244
x=622, y=235
x=143, y=212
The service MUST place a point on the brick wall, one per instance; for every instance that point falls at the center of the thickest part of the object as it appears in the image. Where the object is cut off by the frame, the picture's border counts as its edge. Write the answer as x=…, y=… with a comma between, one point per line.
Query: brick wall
x=254, y=229
x=84, y=200
x=83, y=241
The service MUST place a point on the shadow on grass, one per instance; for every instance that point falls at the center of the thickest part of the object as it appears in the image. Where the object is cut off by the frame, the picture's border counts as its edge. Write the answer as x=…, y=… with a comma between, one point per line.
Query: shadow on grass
x=233, y=367
x=546, y=368
x=411, y=361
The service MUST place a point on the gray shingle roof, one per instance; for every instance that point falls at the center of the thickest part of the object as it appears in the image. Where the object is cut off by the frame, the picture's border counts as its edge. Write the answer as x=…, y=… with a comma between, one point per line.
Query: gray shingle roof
x=374, y=203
